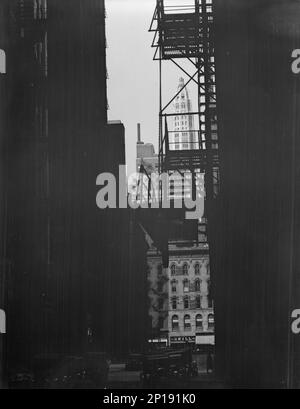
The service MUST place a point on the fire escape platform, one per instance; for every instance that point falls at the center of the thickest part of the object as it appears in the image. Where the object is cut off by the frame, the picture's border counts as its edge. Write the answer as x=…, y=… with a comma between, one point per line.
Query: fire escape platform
x=178, y=36
x=181, y=34
x=189, y=159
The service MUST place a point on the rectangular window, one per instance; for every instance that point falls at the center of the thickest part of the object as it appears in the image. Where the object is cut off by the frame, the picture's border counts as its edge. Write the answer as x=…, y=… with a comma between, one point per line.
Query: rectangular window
x=186, y=286
x=174, y=303
x=186, y=303
x=187, y=326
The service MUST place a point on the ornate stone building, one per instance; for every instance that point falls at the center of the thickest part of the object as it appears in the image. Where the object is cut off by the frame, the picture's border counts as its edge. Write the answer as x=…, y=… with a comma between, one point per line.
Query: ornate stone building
x=180, y=301
x=158, y=298
x=190, y=316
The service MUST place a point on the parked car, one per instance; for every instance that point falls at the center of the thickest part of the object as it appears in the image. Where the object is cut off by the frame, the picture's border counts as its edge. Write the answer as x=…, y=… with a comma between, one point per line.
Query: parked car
x=134, y=362
x=168, y=363
x=71, y=372
x=21, y=379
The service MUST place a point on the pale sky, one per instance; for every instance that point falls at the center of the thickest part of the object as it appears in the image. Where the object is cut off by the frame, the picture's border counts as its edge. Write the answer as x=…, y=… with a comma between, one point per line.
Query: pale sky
x=133, y=85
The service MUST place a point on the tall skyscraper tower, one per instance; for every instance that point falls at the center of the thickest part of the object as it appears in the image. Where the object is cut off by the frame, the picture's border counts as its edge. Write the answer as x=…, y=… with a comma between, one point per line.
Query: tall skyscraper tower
x=184, y=135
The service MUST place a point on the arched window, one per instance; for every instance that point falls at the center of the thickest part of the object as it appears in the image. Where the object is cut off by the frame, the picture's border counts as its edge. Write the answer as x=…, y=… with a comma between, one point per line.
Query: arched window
x=173, y=286
x=2, y=62
x=197, y=285
x=199, y=322
x=197, y=269
x=175, y=323
x=187, y=322
x=173, y=269
x=2, y=322
x=186, y=303
x=185, y=285
x=174, y=303
x=198, y=301
x=185, y=269
x=211, y=321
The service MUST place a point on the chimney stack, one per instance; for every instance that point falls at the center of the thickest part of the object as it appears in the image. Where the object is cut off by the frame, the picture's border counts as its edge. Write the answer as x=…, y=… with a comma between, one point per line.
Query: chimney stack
x=139, y=133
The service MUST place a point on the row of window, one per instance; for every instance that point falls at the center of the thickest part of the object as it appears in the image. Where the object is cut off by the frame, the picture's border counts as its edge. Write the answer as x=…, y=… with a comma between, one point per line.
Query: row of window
x=187, y=303
x=185, y=269
x=184, y=134
x=184, y=146
x=183, y=117
x=177, y=123
x=176, y=270
x=186, y=285
x=187, y=322
x=183, y=105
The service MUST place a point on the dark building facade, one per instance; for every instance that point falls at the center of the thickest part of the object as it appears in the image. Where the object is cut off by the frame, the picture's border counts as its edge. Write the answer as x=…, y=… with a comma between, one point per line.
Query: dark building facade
x=257, y=270
x=3, y=205
x=67, y=259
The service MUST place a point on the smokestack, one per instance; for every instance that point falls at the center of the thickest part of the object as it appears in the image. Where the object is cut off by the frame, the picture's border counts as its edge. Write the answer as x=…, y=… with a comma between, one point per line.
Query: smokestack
x=139, y=133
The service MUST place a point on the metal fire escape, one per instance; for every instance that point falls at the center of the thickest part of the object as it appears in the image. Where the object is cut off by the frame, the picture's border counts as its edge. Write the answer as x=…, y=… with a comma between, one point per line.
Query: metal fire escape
x=184, y=34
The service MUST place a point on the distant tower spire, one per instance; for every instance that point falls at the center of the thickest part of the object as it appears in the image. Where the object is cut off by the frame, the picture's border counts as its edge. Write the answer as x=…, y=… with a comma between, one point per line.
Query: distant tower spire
x=183, y=136
x=181, y=83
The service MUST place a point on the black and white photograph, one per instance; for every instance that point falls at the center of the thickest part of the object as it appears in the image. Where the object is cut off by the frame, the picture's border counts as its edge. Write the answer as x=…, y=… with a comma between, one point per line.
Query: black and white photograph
x=149, y=197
